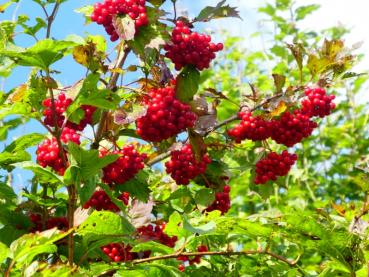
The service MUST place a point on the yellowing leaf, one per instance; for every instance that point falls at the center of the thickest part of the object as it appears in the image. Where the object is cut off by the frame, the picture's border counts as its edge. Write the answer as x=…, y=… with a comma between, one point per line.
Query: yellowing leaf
x=279, y=109
x=147, y=84
x=80, y=55
x=18, y=94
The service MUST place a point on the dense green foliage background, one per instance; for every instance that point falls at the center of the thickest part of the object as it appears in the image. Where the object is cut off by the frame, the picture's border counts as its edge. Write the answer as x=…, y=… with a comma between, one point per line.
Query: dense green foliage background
x=311, y=223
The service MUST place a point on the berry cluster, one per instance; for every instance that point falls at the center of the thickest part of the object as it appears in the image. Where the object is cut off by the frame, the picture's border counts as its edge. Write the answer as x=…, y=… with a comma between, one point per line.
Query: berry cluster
x=156, y=233
x=118, y=252
x=129, y=163
x=49, y=154
x=187, y=47
x=61, y=104
x=101, y=201
x=292, y=128
x=274, y=165
x=222, y=201
x=253, y=128
x=183, y=165
x=195, y=260
x=318, y=103
x=104, y=13
x=60, y=223
x=166, y=116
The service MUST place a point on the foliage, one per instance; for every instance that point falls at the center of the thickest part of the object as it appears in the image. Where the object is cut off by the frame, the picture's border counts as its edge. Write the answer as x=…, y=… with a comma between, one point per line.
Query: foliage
x=311, y=222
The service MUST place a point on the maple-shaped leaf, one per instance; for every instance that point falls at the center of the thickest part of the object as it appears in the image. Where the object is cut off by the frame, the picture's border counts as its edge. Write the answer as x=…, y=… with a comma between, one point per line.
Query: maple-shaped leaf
x=125, y=27
x=219, y=11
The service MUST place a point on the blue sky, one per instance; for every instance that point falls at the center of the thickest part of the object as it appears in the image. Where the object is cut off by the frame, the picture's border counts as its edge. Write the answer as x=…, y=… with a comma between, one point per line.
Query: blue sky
x=68, y=22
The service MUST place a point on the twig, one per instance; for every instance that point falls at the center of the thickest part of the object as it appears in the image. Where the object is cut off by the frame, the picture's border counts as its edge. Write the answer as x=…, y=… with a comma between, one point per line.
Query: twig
x=218, y=253
x=158, y=158
x=51, y=18
x=122, y=56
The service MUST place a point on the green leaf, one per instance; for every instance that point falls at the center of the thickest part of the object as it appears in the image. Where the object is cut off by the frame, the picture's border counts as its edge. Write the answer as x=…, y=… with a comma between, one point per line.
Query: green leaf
x=104, y=224
x=174, y=226
x=89, y=94
x=303, y=11
x=86, y=11
x=4, y=252
x=88, y=161
x=43, y=174
x=219, y=11
x=7, y=193
x=154, y=247
x=187, y=84
x=7, y=158
x=43, y=54
x=205, y=197
x=137, y=187
x=202, y=229
x=24, y=142
x=27, y=247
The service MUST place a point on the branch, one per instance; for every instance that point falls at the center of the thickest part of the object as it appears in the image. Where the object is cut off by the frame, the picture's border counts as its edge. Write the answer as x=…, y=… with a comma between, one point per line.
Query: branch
x=158, y=158
x=219, y=253
x=51, y=18
x=122, y=56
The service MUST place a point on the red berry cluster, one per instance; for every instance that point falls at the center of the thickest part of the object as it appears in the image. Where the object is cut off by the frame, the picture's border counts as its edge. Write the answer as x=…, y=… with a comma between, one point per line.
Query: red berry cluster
x=253, y=128
x=61, y=104
x=101, y=201
x=318, y=103
x=69, y=134
x=118, y=252
x=103, y=14
x=274, y=165
x=187, y=47
x=222, y=201
x=166, y=116
x=195, y=260
x=292, y=128
x=48, y=152
x=129, y=163
x=60, y=223
x=183, y=165
x=156, y=233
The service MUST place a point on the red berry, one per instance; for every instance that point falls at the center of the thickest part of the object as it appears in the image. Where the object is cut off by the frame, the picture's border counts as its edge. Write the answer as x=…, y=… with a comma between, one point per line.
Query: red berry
x=181, y=267
x=222, y=202
x=166, y=116
x=292, y=128
x=317, y=102
x=190, y=48
x=101, y=201
x=183, y=165
x=129, y=163
x=253, y=128
x=274, y=165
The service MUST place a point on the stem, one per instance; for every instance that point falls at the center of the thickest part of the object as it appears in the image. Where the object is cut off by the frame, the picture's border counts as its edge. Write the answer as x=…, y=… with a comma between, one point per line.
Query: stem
x=219, y=253
x=51, y=18
x=158, y=158
x=122, y=56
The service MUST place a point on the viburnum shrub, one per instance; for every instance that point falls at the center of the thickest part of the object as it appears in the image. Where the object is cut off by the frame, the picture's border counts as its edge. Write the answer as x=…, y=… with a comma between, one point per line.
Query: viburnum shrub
x=131, y=147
